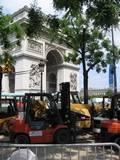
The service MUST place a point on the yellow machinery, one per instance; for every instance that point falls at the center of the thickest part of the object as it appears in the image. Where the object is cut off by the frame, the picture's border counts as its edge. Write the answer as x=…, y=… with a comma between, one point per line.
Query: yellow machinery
x=84, y=116
x=8, y=111
x=82, y=111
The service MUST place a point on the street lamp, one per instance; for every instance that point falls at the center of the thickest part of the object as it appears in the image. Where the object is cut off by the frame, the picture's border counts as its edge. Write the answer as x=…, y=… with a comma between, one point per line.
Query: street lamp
x=41, y=69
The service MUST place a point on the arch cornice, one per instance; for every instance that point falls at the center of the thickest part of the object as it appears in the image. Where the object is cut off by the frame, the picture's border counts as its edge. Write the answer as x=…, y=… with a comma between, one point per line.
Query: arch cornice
x=49, y=47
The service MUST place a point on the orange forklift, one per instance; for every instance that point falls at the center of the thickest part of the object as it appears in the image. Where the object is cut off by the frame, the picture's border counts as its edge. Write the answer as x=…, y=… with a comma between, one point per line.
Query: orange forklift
x=109, y=123
x=42, y=121
x=8, y=111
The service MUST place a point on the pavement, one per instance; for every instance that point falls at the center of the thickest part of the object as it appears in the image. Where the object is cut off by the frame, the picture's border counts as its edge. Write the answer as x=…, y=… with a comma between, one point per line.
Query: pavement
x=65, y=153
x=83, y=138
x=4, y=138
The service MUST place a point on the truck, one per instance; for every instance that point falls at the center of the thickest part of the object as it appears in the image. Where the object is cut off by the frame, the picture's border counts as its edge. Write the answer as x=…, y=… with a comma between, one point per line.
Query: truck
x=107, y=123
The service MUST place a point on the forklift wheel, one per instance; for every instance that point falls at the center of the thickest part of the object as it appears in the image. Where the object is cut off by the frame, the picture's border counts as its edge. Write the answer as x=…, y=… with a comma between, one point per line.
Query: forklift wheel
x=62, y=136
x=117, y=140
x=21, y=139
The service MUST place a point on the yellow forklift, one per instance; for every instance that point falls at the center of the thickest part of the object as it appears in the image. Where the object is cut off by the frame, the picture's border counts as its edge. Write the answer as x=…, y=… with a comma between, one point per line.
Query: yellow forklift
x=82, y=111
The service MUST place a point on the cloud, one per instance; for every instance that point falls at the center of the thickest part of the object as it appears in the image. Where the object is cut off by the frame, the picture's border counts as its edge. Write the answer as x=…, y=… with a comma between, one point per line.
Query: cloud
x=10, y=6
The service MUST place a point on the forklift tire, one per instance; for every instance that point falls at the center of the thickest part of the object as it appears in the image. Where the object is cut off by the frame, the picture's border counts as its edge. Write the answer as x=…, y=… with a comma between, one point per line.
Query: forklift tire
x=117, y=140
x=21, y=139
x=62, y=136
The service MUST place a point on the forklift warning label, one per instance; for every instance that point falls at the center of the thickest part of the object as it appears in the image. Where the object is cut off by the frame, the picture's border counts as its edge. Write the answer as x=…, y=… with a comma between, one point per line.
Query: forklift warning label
x=35, y=133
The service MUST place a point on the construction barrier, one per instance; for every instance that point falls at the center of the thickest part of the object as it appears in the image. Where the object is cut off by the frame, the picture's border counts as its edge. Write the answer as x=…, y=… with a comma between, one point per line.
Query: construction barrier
x=84, y=151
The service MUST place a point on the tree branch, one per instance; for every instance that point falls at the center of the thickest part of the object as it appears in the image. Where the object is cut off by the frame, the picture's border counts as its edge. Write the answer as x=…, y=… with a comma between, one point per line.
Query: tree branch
x=92, y=66
x=70, y=45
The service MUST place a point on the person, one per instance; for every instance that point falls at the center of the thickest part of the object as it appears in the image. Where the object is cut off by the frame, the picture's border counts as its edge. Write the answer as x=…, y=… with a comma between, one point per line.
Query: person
x=23, y=154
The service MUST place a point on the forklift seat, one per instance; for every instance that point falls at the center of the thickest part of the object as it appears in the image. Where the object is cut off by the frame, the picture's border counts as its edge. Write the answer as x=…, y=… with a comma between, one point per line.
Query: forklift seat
x=10, y=110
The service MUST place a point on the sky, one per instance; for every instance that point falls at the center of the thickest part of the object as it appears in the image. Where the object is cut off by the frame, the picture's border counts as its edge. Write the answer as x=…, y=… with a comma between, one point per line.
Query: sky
x=11, y=6
x=96, y=80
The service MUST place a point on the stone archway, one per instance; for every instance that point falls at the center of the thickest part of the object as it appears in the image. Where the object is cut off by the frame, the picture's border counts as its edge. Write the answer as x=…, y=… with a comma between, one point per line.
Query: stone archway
x=54, y=59
x=52, y=82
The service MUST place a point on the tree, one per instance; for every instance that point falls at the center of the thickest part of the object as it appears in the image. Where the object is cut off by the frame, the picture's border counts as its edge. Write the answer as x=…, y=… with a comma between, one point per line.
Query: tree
x=103, y=13
x=109, y=93
x=89, y=44
x=86, y=39
x=8, y=28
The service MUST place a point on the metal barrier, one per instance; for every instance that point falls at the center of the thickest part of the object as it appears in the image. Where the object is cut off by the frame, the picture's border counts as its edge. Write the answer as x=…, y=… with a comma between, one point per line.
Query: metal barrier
x=87, y=151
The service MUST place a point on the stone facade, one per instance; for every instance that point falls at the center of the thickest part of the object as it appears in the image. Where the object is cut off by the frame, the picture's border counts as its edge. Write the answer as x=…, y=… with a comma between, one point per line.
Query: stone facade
x=29, y=55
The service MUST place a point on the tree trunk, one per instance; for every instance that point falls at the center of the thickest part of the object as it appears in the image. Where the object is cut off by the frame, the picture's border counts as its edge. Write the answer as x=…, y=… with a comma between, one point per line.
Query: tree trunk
x=0, y=83
x=114, y=63
x=1, y=75
x=85, y=77
x=85, y=73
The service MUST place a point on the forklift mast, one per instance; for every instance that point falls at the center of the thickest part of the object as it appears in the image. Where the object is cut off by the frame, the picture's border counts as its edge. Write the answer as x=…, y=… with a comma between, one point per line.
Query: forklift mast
x=114, y=110
x=65, y=101
x=115, y=106
x=65, y=98
x=68, y=116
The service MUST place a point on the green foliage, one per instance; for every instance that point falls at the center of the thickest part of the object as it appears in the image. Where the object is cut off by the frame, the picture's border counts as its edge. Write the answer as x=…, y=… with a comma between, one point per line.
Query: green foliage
x=36, y=22
x=18, y=30
x=88, y=42
x=104, y=13
x=106, y=44
x=82, y=32
x=4, y=30
x=6, y=57
x=53, y=22
x=7, y=29
x=70, y=31
x=113, y=55
x=72, y=57
x=72, y=5
x=109, y=93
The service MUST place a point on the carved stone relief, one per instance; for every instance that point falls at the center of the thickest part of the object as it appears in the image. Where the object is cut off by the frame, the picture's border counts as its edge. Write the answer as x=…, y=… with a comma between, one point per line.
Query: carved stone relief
x=35, y=46
x=73, y=81
x=49, y=47
x=34, y=76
